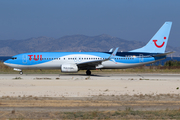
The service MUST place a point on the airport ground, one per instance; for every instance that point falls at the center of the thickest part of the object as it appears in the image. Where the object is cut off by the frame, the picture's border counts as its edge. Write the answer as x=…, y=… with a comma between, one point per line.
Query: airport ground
x=99, y=96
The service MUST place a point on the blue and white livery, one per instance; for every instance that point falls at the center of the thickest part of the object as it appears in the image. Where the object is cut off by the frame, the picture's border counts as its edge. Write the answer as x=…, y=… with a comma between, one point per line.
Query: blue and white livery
x=70, y=62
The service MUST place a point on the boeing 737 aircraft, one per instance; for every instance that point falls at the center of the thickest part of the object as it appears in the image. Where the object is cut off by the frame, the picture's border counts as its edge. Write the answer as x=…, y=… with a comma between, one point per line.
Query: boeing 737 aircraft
x=70, y=62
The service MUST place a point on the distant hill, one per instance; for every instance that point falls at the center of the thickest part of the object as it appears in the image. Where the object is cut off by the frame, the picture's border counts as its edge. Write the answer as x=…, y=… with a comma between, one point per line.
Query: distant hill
x=71, y=44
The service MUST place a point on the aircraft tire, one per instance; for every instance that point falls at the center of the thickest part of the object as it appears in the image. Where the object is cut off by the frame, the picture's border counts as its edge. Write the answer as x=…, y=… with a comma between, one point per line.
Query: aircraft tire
x=20, y=72
x=88, y=72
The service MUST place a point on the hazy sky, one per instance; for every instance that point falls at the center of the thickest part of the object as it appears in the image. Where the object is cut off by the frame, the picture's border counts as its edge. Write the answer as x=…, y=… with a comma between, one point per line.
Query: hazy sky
x=128, y=19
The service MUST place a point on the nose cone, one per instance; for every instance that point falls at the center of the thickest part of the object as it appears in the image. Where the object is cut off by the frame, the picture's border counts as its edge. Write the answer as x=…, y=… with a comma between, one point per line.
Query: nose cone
x=6, y=62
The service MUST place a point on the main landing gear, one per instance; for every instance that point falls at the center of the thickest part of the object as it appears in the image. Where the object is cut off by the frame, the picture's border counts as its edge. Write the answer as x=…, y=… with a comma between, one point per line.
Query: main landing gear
x=88, y=72
x=20, y=72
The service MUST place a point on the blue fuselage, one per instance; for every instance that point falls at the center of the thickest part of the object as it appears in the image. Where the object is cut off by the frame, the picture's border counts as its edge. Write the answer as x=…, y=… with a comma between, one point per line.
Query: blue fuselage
x=54, y=60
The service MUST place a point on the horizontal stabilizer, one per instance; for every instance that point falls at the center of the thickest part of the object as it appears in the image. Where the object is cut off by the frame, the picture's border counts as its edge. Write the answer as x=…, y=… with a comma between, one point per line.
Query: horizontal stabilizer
x=163, y=54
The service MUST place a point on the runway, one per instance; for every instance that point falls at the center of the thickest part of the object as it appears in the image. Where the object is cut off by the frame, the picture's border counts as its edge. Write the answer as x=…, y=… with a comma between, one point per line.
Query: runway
x=96, y=76
x=80, y=85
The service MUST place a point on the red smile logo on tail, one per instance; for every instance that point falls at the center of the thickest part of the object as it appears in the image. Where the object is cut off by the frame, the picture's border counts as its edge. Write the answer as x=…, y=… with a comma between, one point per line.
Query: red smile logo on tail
x=159, y=46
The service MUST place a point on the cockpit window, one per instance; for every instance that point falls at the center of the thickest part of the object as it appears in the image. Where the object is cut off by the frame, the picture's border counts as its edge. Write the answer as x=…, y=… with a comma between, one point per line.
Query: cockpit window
x=13, y=58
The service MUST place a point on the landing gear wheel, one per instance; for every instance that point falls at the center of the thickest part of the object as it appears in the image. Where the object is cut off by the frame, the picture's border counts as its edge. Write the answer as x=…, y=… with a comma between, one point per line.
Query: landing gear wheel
x=88, y=72
x=20, y=72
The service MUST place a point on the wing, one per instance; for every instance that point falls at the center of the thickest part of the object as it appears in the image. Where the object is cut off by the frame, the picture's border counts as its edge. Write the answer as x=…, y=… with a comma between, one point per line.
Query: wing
x=94, y=63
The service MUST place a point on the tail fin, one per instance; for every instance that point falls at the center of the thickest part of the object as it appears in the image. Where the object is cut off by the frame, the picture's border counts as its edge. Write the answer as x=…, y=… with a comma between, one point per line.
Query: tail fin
x=158, y=42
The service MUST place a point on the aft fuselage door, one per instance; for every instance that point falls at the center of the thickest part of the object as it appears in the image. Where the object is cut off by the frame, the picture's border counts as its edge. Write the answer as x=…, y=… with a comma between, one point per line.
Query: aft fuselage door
x=141, y=58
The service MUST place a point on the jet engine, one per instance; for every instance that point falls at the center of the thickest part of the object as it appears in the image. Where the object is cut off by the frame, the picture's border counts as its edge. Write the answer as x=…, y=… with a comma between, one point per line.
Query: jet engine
x=69, y=68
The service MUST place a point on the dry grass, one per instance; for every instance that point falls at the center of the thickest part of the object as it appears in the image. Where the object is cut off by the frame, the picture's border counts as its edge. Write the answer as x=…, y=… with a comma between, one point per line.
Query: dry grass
x=81, y=103
x=73, y=108
x=126, y=114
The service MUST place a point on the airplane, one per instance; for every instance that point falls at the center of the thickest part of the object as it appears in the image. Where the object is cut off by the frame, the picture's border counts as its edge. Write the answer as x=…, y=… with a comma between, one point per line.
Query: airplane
x=71, y=62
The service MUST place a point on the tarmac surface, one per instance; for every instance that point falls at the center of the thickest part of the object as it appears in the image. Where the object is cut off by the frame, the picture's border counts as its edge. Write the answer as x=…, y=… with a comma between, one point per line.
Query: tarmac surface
x=80, y=85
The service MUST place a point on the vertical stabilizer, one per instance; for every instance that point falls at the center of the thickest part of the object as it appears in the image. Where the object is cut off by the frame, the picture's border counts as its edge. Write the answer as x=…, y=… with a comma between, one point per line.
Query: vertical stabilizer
x=158, y=42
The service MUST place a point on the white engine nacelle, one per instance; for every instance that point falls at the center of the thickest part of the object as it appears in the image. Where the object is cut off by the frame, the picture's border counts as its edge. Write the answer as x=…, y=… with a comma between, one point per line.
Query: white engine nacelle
x=69, y=68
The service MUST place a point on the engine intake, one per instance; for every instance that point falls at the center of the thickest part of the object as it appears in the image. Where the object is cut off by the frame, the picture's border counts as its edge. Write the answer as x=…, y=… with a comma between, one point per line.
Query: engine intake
x=69, y=68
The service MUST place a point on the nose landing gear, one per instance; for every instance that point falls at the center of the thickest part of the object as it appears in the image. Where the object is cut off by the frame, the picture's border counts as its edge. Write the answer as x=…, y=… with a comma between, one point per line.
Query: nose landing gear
x=88, y=72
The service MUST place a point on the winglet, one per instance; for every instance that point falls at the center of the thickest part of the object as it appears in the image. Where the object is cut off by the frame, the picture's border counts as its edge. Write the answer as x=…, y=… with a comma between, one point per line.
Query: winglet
x=114, y=53
x=111, y=50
